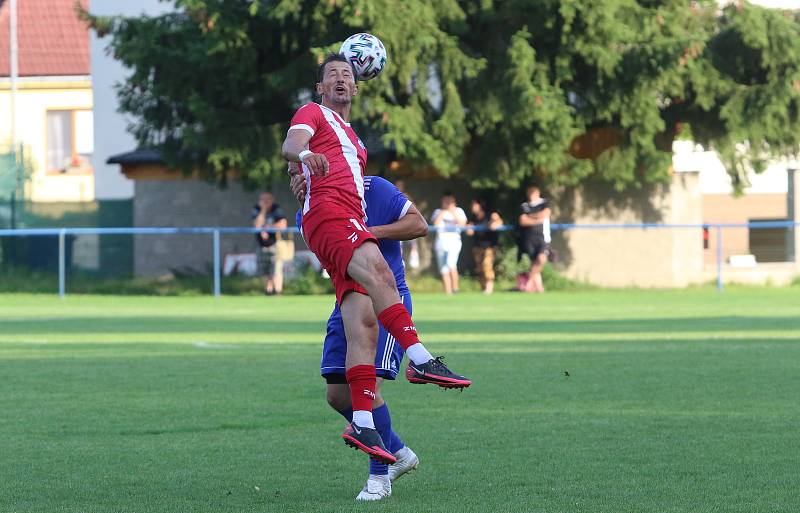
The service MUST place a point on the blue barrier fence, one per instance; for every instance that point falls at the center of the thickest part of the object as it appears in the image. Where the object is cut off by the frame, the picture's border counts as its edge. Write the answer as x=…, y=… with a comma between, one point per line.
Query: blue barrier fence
x=215, y=232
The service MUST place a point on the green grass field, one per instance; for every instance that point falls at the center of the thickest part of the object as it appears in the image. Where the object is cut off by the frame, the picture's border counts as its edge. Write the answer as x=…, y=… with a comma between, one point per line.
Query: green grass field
x=676, y=401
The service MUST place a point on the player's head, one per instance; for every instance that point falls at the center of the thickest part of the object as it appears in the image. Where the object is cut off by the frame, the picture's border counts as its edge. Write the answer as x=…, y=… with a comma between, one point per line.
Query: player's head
x=533, y=192
x=336, y=80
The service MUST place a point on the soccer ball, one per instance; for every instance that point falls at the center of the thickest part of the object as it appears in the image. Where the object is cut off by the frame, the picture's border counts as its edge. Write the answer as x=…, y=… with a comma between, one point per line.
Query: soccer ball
x=366, y=53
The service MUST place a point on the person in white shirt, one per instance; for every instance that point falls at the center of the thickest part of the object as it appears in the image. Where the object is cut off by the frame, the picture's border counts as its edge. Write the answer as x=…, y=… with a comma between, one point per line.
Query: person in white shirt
x=448, y=219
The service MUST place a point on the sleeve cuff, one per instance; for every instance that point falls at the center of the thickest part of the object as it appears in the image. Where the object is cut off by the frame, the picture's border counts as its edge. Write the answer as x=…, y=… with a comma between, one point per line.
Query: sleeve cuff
x=404, y=211
x=302, y=127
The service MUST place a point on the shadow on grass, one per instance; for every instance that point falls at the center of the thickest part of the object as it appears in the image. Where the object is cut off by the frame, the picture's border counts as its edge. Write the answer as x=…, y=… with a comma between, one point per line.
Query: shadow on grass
x=146, y=324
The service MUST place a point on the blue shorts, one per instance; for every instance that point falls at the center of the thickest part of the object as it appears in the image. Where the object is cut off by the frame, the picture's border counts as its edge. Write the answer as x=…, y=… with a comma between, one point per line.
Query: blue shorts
x=387, y=357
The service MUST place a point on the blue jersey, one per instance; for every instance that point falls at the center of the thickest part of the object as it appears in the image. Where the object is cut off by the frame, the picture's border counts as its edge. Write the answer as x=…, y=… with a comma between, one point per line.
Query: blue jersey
x=385, y=205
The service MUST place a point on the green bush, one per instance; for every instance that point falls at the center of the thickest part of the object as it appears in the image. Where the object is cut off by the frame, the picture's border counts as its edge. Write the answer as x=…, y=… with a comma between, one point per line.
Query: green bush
x=507, y=267
x=308, y=281
x=431, y=282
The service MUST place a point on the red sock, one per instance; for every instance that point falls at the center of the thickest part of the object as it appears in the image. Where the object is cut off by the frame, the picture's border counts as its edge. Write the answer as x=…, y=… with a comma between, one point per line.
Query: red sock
x=398, y=322
x=362, y=386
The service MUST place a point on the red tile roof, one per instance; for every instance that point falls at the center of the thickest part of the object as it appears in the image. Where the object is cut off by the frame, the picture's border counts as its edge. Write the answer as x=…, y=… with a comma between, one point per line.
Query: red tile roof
x=51, y=40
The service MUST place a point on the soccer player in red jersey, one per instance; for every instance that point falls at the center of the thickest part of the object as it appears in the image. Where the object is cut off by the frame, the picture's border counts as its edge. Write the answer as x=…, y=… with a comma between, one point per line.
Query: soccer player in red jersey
x=333, y=159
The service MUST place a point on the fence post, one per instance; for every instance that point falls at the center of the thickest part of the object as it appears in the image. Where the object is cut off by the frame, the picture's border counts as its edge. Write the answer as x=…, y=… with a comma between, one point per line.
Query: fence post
x=216, y=263
x=62, y=261
x=719, y=258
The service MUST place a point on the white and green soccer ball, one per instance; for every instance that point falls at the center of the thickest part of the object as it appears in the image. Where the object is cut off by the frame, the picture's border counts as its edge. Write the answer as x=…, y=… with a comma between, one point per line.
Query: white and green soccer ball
x=366, y=53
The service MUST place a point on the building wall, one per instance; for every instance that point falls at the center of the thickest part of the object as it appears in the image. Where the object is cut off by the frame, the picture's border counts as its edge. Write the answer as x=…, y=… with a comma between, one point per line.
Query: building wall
x=612, y=257
x=609, y=257
x=192, y=203
x=111, y=136
x=632, y=257
x=726, y=208
x=34, y=99
x=763, y=198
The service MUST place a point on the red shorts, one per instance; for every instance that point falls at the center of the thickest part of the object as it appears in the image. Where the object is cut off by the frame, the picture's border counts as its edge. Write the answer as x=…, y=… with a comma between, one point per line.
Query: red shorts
x=333, y=240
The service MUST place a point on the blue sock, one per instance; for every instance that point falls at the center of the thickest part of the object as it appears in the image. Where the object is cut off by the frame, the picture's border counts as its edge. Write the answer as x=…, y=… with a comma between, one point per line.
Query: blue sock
x=383, y=423
x=392, y=442
x=395, y=443
x=347, y=413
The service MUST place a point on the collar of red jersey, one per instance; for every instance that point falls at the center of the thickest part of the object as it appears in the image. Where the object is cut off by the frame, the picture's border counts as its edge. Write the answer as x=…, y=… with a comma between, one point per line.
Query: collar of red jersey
x=335, y=114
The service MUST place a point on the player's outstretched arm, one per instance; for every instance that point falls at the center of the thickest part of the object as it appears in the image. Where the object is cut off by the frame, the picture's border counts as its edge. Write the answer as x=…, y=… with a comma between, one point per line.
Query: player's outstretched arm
x=294, y=150
x=411, y=226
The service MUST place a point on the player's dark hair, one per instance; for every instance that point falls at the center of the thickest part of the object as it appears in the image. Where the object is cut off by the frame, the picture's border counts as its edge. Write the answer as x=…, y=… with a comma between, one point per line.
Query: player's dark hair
x=334, y=57
x=447, y=192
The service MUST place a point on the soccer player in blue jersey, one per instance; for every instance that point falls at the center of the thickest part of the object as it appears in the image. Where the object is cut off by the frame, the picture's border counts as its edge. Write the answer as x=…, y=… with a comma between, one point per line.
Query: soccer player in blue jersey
x=391, y=217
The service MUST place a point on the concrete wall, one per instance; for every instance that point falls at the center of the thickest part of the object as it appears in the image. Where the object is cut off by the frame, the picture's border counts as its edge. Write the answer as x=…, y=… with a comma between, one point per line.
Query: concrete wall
x=617, y=257
x=609, y=257
x=192, y=203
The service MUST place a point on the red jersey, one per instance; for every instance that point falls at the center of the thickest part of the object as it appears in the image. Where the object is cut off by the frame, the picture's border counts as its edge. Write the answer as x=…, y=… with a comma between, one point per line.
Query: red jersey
x=340, y=193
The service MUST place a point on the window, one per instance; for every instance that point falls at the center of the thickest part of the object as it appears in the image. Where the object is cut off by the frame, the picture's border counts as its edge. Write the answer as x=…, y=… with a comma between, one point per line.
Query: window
x=70, y=141
x=769, y=244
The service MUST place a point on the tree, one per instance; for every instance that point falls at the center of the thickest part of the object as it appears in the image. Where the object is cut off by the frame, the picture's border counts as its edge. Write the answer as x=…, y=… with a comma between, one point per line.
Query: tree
x=215, y=83
x=643, y=69
x=496, y=91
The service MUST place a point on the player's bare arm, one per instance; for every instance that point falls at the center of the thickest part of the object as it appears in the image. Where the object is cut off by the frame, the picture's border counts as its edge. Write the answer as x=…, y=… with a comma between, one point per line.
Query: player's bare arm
x=296, y=143
x=411, y=226
x=298, y=185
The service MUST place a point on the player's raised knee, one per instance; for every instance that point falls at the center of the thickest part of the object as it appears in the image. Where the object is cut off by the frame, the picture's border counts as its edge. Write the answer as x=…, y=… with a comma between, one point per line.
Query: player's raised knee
x=339, y=400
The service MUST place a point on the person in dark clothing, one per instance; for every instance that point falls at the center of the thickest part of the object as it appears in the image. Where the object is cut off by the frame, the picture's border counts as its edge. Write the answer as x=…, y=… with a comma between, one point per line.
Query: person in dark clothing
x=484, y=242
x=534, y=237
x=268, y=214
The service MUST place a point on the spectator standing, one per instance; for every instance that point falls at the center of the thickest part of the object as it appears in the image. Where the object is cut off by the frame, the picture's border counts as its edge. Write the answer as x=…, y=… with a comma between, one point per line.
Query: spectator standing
x=268, y=214
x=534, y=240
x=448, y=219
x=485, y=242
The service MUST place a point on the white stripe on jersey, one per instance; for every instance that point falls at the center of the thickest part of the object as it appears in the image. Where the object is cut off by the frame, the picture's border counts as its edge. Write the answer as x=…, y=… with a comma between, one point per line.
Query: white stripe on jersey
x=350, y=154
